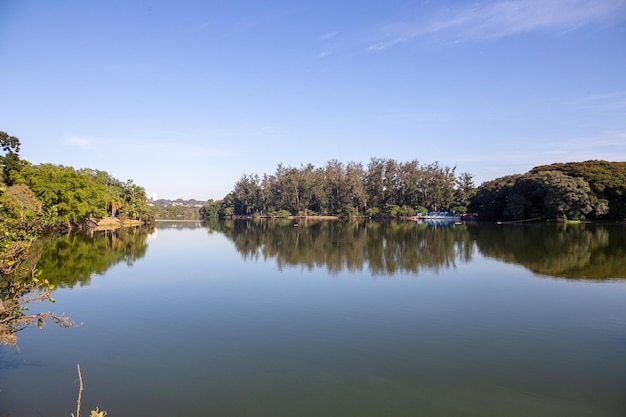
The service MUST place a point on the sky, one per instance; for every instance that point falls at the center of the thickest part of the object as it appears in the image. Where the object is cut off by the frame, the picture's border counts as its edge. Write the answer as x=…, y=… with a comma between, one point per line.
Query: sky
x=185, y=97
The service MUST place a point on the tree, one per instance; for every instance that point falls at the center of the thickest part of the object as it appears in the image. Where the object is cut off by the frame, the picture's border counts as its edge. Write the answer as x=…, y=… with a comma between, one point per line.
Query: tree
x=374, y=183
x=247, y=195
x=10, y=161
x=336, y=186
x=607, y=181
x=491, y=197
x=355, y=175
x=541, y=194
x=549, y=194
x=440, y=184
x=464, y=192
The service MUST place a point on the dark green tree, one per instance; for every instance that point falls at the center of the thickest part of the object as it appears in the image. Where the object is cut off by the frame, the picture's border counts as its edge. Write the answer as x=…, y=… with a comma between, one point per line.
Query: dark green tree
x=491, y=197
x=464, y=192
x=10, y=161
x=607, y=181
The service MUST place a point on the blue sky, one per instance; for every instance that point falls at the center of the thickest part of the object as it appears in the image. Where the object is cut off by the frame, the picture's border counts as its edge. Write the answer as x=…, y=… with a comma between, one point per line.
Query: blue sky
x=184, y=97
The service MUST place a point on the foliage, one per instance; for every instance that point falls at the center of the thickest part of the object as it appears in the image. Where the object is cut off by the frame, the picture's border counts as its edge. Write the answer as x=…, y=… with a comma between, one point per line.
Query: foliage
x=69, y=196
x=607, y=181
x=210, y=210
x=574, y=191
x=16, y=295
x=19, y=211
x=491, y=197
x=384, y=188
x=548, y=194
x=10, y=161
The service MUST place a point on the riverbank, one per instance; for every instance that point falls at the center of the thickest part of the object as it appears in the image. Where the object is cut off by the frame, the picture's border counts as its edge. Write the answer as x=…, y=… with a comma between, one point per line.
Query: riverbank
x=111, y=223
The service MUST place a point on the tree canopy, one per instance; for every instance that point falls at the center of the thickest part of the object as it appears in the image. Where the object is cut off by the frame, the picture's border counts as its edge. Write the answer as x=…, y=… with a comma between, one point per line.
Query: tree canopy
x=607, y=181
x=10, y=160
x=384, y=187
x=575, y=191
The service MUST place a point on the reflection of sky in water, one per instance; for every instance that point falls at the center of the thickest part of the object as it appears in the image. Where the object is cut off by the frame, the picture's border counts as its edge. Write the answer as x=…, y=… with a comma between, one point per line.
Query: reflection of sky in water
x=191, y=329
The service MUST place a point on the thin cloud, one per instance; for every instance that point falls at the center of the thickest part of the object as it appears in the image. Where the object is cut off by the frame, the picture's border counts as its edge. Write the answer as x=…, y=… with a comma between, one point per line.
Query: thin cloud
x=83, y=143
x=609, y=101
x=499, y=19
x=328, y=35
x=260, y=21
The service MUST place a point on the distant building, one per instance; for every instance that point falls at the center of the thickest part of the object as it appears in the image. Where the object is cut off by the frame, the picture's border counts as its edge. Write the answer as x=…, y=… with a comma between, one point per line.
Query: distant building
x=151, y=196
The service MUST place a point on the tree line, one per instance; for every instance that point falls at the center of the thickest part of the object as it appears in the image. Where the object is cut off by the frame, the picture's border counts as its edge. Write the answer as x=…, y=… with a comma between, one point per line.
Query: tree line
x=385, y=187
x=588, y=190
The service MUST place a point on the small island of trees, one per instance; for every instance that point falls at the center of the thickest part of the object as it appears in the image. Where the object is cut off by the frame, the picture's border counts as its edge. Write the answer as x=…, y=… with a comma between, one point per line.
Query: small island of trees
x=589, y=190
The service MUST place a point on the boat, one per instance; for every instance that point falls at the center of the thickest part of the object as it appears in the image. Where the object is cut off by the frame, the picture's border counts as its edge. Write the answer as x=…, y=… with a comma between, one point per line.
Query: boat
x=445, y=217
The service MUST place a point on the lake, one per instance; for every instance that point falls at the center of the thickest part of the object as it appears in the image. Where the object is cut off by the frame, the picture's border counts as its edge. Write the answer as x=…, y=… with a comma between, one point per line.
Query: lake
x=329, y=318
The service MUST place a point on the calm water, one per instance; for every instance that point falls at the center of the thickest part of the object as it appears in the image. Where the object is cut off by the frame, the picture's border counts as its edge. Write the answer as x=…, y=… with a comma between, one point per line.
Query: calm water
x=330, y=319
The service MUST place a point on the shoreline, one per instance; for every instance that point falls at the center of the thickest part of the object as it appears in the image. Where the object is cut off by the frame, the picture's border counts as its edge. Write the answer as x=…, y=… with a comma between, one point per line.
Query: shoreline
x=109, y=223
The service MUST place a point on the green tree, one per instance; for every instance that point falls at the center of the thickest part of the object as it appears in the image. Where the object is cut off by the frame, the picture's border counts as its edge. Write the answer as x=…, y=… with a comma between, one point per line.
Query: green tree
x=10, y=161
x=491, y=197
x=440, y=187
x=549, y=194
x=374, y=183
x=247, y=195
x=210, y=210
x=464, y=192
x=607, y=181
x=67, y=196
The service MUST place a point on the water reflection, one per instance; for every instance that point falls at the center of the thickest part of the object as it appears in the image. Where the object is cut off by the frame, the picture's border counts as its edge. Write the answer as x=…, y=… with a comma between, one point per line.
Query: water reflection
x=589, y=251
x=70, y=259
x=384, y=248
x=178, y=224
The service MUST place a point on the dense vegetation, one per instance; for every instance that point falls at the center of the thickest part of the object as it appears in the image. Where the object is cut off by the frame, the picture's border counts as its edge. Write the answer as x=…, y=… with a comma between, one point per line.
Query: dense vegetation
x=33, y=197
x=387, y=188
x=384, y=187
x=607, y=181
x=574, y=191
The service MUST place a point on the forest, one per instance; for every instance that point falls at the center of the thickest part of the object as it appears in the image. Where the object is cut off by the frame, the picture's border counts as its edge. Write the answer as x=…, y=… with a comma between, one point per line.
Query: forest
x=385, y=188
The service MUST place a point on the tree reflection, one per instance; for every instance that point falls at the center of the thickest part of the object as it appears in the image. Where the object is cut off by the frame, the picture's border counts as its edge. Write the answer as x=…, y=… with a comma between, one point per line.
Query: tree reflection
x=61, y=261
x=178, y=224
x=70, y=259
x=590, y=251
x=384, y=248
